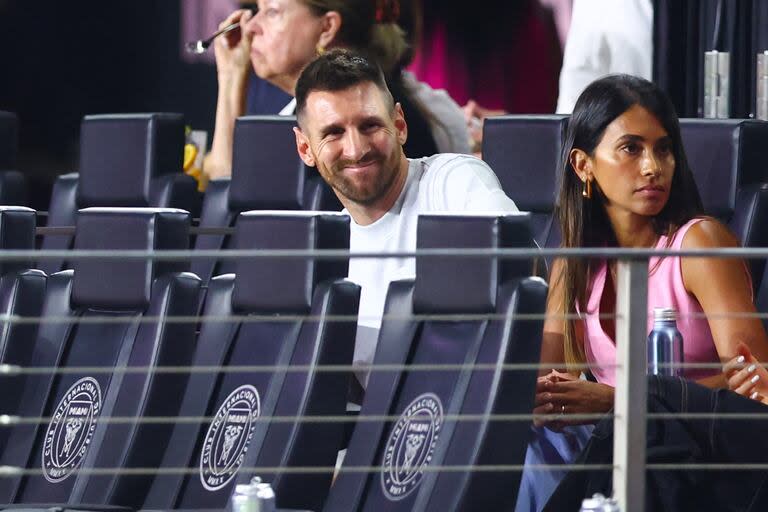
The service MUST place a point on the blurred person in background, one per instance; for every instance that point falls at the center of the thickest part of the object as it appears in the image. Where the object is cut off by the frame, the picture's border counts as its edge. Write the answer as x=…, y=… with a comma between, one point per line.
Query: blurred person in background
x=500, y=57
x=605, y=37
x=284, y=35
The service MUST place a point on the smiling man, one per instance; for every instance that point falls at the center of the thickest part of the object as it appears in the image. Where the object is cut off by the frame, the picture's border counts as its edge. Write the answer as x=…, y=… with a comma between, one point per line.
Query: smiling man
x=353, y=132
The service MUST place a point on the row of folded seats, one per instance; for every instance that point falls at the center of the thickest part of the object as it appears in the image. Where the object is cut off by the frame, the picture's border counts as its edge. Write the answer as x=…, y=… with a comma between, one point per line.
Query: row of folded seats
x=118, y=400
x=134, y=160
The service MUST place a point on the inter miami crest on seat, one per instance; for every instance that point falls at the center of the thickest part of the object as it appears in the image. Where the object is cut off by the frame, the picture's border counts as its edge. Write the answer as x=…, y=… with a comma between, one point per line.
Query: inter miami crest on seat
x=475, y=301
x=112, y=314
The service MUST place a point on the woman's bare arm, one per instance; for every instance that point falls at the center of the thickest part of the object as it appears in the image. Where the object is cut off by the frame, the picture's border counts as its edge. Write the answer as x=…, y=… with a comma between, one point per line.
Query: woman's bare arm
x=552, y=348
x=723, y=288
x=233, y=67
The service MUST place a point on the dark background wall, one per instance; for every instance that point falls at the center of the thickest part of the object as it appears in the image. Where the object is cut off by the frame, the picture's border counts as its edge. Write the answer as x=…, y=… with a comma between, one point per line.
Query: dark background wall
x=62, y=60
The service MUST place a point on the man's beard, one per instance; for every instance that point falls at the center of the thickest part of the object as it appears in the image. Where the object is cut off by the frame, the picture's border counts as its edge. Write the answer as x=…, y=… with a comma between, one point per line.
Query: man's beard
x=375, y=189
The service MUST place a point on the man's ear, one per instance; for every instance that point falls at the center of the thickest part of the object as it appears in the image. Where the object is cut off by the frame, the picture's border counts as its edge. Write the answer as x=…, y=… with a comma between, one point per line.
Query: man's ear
x=303, y=148
x=581, y=163
x=331, y=24
x=401, y=127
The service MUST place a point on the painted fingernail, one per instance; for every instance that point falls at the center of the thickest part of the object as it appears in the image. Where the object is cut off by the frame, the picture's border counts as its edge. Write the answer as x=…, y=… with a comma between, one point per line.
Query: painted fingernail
x=753, y=395
x=740, y=359
x=751, y=368
x=754, y=379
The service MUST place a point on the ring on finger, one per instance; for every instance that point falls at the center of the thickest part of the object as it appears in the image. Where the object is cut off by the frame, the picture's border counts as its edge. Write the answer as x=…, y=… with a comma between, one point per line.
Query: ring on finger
x=562, y=410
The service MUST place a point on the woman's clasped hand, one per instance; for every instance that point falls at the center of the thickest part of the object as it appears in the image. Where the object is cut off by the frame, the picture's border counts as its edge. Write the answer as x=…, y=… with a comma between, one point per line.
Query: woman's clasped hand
x=572, y=400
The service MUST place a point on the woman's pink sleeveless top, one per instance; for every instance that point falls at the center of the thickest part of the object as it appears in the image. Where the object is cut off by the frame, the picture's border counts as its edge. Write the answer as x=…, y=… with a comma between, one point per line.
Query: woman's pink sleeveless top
x=665, y=289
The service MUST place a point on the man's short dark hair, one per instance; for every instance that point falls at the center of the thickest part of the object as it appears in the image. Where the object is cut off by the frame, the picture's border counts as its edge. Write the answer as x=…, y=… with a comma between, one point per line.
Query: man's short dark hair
x=337, y=70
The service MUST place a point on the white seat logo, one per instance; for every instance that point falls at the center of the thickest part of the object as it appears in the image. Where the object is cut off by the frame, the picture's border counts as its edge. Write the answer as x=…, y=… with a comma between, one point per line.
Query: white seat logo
x=228, y=437
x=71, y=429
x=410, y=446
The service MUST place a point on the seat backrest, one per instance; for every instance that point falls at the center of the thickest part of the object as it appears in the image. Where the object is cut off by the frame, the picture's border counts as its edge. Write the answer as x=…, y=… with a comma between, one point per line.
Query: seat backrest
x=9, y=139
x=62, y=211
x=120, y=155
x=21, y=295
x=267, y=174
x=525, y=153
x=483, y=295
x=118, y=313
x=729, y=159
x=749, y=223
x=13, y=187
x=288, y=302
x=215, y=213
x=725, y=154
x=126, y=160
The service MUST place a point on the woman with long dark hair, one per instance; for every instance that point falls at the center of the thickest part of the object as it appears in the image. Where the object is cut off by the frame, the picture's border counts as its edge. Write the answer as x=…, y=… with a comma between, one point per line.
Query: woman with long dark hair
x=626, y=183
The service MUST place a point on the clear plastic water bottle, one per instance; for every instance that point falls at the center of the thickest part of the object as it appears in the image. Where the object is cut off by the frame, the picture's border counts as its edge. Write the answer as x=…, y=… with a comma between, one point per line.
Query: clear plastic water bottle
x=665, y=344
x=599, y=503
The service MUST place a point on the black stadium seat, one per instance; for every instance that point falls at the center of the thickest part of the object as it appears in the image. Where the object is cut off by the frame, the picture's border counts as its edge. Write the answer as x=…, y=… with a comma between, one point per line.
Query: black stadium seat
x=62, y=211
x=525, y=153
x=408, y=452
x=119, y=314
x=725, y=154
x=21, y=295
x=13, y=185
x=729, y=158
x=271, y=288
x=126, y=160
x=13, y=188
x=267, y=174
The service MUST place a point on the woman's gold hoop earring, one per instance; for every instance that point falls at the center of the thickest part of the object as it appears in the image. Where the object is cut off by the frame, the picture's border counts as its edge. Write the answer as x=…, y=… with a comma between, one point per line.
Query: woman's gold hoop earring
x=319, y=49
x=587, y=192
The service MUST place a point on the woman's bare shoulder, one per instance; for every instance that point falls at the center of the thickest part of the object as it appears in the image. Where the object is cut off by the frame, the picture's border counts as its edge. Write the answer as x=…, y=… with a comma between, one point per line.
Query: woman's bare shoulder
x=709, y=232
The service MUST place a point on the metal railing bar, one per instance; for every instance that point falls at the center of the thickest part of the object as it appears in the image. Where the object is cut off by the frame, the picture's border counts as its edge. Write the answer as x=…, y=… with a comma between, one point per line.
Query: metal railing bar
x=13, y=471
x=317, y=254
x=7, y=421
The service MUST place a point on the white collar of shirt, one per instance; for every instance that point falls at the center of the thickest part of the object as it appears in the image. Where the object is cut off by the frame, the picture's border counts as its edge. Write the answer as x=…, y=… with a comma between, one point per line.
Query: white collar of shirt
x=289, y=109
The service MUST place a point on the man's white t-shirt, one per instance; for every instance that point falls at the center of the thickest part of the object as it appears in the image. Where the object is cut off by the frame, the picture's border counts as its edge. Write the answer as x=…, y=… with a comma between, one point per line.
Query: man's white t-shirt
x=440, y=183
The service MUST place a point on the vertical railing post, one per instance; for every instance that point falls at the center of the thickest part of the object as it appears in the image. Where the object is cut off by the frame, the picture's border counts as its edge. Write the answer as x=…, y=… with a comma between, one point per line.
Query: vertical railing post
x=630, y=397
